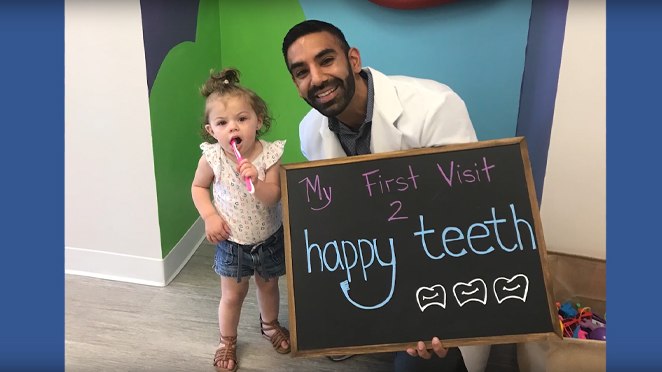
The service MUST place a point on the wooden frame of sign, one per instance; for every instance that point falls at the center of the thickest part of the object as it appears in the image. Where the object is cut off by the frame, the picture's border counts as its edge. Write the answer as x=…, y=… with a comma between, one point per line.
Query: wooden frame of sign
x=387, y=249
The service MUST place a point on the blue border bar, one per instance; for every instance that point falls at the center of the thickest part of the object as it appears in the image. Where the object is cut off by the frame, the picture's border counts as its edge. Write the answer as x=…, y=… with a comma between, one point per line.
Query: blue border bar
x=634, y=83
x=32, y=117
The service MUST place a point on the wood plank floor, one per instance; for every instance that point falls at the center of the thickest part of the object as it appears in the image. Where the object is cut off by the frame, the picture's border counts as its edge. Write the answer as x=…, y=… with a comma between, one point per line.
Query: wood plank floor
x=117, y=326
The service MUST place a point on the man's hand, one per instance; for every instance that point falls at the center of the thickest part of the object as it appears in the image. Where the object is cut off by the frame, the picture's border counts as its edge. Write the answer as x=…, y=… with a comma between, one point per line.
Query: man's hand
x=424, y=353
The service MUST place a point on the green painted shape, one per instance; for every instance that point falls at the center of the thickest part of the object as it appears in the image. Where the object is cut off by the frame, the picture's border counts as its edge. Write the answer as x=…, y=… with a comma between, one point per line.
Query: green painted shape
x=176, y=111
x=244, y=34
x=252, y=34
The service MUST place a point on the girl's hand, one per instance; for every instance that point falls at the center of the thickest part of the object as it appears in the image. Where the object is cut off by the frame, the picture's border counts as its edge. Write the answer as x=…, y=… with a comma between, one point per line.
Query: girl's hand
x=247, y=169
x=216, y=229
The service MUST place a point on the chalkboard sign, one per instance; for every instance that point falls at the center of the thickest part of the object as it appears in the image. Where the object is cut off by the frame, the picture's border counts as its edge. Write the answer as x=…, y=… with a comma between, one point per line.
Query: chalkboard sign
x=388, y=249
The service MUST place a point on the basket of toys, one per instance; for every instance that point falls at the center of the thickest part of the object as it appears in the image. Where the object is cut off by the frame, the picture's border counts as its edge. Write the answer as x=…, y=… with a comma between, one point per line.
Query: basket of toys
x=579, y=286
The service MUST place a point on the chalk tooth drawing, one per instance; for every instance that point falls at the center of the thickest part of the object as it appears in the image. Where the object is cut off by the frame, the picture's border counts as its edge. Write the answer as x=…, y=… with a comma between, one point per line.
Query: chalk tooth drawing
x=429, y=296
x=516, y=287
x=475, y=290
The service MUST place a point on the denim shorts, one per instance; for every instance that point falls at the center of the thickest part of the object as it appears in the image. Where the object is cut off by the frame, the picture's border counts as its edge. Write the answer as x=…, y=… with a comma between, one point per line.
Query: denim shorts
x=237, y=260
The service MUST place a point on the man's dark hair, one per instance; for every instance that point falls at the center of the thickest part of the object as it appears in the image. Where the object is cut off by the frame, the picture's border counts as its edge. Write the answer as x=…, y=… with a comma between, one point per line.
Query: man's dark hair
x=309, y=27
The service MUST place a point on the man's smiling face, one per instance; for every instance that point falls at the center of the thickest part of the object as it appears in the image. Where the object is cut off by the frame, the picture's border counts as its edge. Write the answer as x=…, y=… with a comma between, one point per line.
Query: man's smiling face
x=322, y=73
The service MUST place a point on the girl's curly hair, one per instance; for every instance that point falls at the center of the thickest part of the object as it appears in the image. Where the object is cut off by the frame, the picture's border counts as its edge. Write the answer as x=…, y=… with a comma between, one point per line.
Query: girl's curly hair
x=226, y=83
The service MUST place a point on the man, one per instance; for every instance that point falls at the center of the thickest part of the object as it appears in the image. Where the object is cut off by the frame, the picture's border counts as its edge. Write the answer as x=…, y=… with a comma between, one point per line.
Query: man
x=361, y=111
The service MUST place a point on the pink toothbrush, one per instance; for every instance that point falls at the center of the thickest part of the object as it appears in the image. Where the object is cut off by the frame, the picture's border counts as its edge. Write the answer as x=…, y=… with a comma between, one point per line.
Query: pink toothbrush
x=249, y=182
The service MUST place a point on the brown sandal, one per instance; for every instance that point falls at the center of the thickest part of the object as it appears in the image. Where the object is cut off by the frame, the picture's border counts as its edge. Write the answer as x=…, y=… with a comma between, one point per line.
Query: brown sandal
x=226, y=353
x=281, y=334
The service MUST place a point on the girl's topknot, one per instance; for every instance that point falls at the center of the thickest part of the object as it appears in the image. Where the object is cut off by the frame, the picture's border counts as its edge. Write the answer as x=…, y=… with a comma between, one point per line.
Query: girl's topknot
x=221, y=82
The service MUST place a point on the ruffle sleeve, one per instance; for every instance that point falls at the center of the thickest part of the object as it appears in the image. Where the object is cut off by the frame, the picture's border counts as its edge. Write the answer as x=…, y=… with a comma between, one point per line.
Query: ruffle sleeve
x=211, y=153
x=273, y=152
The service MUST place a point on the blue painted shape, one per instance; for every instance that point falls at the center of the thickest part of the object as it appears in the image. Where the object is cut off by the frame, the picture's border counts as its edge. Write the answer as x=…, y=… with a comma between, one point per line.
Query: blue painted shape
x=475, y=47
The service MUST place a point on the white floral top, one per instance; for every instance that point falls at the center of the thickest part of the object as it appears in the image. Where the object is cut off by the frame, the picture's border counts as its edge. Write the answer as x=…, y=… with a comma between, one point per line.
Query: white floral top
x=250, y=220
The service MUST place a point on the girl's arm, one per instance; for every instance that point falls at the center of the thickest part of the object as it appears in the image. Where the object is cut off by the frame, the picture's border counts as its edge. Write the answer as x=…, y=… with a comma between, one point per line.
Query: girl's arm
x=216, y=229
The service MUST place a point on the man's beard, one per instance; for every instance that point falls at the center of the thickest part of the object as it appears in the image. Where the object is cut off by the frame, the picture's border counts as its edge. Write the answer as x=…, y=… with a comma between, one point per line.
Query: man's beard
x=336, y=106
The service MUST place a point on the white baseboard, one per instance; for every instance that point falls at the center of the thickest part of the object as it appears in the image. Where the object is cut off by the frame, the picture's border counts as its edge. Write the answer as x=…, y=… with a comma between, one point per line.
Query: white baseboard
x=135, y=269
x=184, y=249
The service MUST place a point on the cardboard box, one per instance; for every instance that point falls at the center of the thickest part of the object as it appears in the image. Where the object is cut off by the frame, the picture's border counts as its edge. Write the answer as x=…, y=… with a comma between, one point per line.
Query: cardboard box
x=582, y=280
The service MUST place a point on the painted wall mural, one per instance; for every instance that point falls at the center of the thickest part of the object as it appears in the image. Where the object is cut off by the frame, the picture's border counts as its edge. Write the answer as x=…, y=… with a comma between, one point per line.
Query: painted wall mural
x=410, y=4
x=478, y=48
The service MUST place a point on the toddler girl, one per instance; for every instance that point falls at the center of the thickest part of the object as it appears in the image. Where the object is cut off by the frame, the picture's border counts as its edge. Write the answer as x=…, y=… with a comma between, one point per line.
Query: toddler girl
x=246, y=227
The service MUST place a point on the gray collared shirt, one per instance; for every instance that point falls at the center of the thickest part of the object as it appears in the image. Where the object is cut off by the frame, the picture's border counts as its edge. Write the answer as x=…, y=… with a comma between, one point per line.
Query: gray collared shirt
x=357, y=142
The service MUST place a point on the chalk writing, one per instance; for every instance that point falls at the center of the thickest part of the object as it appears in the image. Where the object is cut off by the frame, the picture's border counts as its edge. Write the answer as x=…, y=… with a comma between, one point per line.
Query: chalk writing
x=359, y=251
x=398, y=208
x=457, y=172
x=345, y=255
x=344, y=286
x=322, y=193
x=374, y=178
x=452, y=234
x=448, y=239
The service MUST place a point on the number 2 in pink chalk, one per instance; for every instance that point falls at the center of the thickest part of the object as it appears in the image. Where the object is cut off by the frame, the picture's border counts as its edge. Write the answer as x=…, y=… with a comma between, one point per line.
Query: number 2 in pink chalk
x=394, y=216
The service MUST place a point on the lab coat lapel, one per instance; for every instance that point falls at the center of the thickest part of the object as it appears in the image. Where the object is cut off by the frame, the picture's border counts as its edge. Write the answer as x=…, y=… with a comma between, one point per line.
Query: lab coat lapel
x=387, y=109
x=331, y=147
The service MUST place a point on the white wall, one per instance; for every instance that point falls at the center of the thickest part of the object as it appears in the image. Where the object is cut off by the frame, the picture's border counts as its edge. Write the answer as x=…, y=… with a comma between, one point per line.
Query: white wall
x=111, y=221
x=573, y=208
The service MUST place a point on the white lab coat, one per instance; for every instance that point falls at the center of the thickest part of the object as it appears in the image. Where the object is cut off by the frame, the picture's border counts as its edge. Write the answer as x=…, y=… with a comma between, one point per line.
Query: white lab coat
x=408, y=113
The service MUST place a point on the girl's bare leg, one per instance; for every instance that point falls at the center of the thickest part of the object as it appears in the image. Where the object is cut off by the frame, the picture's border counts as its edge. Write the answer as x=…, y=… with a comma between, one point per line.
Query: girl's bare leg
x=268, y=299
x=229, y=309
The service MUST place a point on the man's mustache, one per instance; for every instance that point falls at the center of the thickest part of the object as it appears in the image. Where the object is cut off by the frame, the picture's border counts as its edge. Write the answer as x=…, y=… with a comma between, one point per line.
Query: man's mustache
x=312, y=93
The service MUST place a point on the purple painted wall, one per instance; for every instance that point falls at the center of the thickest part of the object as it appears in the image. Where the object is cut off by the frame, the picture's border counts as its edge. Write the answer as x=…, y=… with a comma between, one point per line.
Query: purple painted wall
x=166, y=23
x=540, y=81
